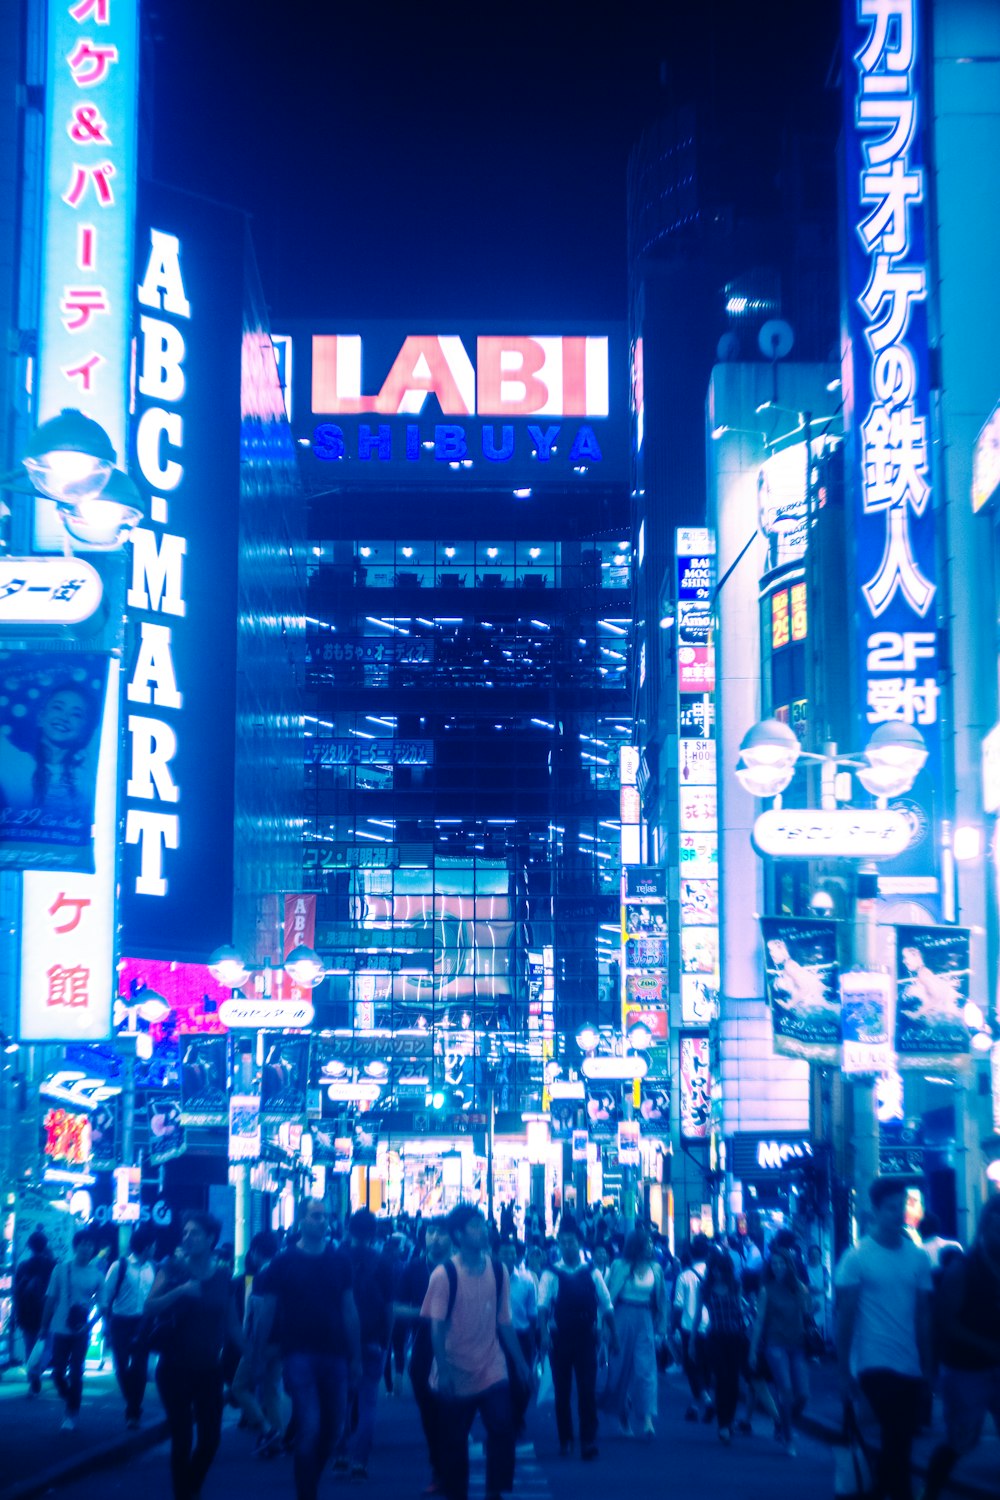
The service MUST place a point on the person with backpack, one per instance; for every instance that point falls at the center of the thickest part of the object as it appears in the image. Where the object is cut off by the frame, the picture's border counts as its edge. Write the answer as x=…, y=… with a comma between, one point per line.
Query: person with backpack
x=692, y=1324
x=726, y=1340
x=468, y=1305
x=373, y=1294
x=68, y=1314
x=31, y=1282
x=572, y=1300
x=126, y=1287
x=968, y=1325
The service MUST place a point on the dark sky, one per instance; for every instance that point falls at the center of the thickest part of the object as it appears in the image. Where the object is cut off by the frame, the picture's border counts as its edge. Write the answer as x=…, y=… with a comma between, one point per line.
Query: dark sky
x=460, y=160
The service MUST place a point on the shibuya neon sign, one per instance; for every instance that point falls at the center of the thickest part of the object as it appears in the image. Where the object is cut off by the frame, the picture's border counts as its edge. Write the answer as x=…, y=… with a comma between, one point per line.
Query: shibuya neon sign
x=514, y=377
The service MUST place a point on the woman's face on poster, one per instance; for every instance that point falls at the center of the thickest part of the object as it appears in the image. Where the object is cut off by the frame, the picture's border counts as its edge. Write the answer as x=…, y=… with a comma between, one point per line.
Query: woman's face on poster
x=63, y=719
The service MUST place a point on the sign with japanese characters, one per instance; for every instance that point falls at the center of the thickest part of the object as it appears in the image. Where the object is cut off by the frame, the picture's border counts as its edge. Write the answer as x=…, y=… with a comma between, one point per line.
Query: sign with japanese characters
x=932, y=980
x=68, y=919
x=51, y=705
x=887, y=387
x=479, y=404
x=832, y=833
x=244, y=1127
x=37, y=591
x=374, y=752
x=696, y=762
x=695, y=1086
x=800, y=972
x=88, y=211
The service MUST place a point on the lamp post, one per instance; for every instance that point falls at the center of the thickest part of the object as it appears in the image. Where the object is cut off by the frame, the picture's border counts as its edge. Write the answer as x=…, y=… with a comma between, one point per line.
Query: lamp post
x=307, y=970
x=887, y=767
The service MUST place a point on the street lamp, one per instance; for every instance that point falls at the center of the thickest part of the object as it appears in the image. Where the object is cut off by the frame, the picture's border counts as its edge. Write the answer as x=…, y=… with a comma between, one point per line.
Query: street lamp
x=70, y=460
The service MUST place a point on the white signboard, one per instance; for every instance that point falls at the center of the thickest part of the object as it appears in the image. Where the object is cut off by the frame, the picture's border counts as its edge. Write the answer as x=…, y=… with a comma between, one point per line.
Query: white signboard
x=272, y=1015
x=842, y=833
x=620, y=1068
x=47, y=591
x=697, y=762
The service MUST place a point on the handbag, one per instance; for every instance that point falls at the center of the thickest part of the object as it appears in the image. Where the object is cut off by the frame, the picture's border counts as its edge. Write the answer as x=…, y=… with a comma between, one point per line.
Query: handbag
x=852, y=1467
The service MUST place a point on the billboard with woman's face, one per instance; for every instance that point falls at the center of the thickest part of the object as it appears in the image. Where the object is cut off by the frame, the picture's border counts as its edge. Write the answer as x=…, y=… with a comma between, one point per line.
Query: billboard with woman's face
x=51, y=704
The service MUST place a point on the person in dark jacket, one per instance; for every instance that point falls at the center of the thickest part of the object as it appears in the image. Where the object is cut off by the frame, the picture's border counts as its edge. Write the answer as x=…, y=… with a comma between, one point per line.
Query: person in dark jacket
x=31, y=1282
x=436, y=1250
x=373, y=1293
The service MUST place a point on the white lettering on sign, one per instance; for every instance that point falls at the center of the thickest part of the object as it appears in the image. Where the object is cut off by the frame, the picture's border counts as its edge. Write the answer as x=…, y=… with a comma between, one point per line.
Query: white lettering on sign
x=517, y=376
x=777, y=1154
x=847, y=833
x=157, y=584
x=276, y=1014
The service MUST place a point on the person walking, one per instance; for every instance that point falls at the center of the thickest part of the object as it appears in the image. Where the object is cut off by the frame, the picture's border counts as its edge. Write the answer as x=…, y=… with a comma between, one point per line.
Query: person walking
x=883, y=1331
x=70, y=1304
x=524, y=1319
x=308, y=1287
x=127, y=1285
x=692, y=1326
x=572, y=1300
x=31, y=1282
x=468, y=1304
x=783, y=1306
x=968, y=1321
x=437, y=1248
x=257, y=1392
x=372, y=1279
x=191, y=1302
x=719, y=1295
x=635, y=1286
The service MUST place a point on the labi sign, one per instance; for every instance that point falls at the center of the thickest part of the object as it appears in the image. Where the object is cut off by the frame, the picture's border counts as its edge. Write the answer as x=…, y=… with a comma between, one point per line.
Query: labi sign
x=387, y=404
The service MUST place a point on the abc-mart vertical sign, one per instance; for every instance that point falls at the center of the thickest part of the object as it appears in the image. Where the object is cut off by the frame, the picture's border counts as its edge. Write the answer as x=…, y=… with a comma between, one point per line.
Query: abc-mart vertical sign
x=88, y=218
x=887, y=386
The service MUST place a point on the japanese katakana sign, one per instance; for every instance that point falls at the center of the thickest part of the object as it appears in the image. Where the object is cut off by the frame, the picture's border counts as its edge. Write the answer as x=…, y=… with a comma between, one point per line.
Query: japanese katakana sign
x=87, y=224
x=887, y=390
x=58, y=770
x=47, y=591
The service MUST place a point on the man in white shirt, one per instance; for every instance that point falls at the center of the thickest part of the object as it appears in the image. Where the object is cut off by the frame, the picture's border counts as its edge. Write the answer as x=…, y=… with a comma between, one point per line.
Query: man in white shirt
x=883, y=1330
x=68, y=1314
x=693, y=1347
x=572, y=1298
x=123, y=1298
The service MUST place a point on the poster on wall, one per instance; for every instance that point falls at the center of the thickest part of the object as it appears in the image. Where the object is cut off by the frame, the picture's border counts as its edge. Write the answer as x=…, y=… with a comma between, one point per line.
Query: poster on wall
x=932, y=990
x=51, y=707
x=800, y=967
x=204, y=1078
x=603, y=1110
x=654, y=1110
x=865, y=1012
x=244, y=1127
x=284, y=1076
x=695, y=1086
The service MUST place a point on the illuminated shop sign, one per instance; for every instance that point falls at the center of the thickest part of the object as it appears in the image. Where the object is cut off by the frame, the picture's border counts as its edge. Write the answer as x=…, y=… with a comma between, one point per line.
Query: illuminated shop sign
x=789, y=617
x=751, y=1155
x=87, y=217
x=36, y=591
x=374, y=752
x=487, y=406
x=182, y=611
x=887, y=387
x=855, y=833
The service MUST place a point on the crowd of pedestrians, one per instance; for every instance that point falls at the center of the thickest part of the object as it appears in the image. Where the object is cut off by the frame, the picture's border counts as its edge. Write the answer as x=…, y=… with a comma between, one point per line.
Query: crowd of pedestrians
x=481, y=1321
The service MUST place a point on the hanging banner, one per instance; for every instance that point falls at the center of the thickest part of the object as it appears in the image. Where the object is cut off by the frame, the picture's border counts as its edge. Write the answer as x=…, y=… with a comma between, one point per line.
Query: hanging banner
x=300, y=922
x=204, y=1079
x=695, y=1086
x=284, y=1077
x=932, y=979
x=51, y=709
x=800, y=969
x=866, y=1022
x=629, y=1154
x=581, y=1141
x=244, y=1127
x=364, y=1145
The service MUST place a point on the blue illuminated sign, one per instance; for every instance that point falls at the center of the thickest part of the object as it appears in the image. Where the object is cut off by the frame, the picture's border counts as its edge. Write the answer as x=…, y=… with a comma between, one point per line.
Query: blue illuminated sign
x=887, y=395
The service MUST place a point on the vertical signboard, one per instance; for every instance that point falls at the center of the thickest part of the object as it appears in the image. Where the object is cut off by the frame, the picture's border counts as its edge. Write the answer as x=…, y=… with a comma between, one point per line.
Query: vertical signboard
x=887, y=398
x=698, y=911
x=87, y=216
x=68, y=921
x=800, y=971
x=177, y=863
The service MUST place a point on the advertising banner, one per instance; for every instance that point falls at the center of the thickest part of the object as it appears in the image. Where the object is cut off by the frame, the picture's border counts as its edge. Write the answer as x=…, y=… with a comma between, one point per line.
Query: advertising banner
x=365, y=1145
x=300, y=922
x=166, y=1128
x=887, y=388
x=284, y=1077
x=629, y=1154
x=654, y=1109
x=932, y=980
x=865, y=1019
x=800, y=967
x=695, y=1086
x=581, y=1140
x=51, y=710
x=603, y=1110
x=244, y=1127
x=204, y=1079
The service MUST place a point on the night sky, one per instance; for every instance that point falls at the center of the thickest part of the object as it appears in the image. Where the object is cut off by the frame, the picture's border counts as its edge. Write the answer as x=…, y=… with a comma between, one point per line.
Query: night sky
x=460, y=160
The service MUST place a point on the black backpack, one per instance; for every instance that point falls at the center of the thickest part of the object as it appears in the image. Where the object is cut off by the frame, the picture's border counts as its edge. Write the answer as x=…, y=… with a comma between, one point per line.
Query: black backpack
x=31, y=1283
x=372, y=1294
x=452, y=1275
x=575, y=1306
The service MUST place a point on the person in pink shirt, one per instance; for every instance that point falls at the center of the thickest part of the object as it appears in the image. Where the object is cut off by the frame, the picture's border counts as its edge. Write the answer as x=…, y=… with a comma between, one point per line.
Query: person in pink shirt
x=468, y=1305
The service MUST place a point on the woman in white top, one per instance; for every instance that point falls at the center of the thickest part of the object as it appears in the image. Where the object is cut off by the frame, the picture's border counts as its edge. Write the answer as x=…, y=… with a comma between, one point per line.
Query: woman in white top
x=636, y=1288
x=69, y=1311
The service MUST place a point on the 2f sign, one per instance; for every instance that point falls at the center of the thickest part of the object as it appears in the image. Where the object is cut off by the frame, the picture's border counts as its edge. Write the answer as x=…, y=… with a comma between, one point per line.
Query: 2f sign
x=156, y=594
